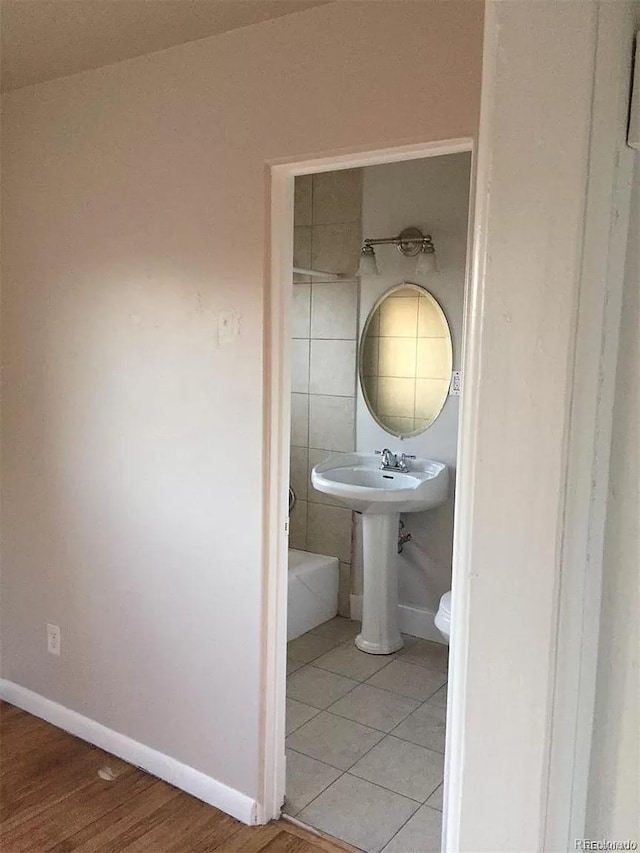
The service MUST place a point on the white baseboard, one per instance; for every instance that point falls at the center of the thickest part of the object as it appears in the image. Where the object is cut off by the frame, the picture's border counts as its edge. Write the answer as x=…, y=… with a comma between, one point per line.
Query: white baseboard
x=180, y=775
x=416, y=621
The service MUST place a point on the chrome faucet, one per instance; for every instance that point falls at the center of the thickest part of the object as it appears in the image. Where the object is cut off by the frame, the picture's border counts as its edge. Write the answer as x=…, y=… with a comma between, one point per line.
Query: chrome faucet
x=390, y=461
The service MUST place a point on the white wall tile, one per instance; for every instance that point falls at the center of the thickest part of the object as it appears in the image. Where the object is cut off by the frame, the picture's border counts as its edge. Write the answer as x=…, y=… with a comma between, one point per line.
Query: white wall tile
x=300, y=366
x=334, y=310
x=333, y=368
x=337, y=196
x=336, y=248
x=301, y=252
x=332, y=422
x=329, y=531
x=300, y=420
x=299, y=471
x=301, y=311
x=327, y=235
x=298, y=526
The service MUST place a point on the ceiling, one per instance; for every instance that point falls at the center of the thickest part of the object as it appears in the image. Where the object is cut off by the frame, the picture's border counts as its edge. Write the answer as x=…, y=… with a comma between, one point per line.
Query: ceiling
x=45, y=39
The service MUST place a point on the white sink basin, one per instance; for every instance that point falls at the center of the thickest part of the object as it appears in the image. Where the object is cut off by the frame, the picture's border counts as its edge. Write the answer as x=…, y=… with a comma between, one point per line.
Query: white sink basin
x=381, y=495
x=358, y=480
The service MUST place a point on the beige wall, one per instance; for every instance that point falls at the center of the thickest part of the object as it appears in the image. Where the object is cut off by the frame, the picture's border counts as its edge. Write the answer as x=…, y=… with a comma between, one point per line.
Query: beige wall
x=324, y=328
x=614, y=792
x=133, y=216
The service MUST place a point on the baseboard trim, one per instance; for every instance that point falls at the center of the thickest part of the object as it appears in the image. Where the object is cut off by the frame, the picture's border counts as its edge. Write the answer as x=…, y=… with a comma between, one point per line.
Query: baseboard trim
x=180, y=775
x=416, y=621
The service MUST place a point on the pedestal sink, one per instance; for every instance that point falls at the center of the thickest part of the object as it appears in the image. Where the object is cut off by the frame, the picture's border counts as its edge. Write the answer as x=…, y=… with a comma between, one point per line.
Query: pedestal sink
x=381, y=494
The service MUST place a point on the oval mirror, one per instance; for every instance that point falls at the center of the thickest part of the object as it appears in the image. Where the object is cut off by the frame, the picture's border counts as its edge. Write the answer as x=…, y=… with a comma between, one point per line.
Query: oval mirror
x=405, y=360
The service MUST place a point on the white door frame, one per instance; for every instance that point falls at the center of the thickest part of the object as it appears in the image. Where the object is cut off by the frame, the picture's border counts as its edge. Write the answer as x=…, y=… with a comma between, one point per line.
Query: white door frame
x=587, y=41
x=277, y=438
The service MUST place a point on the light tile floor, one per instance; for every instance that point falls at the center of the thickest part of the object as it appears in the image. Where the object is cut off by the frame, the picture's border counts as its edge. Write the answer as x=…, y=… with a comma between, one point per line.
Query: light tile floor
x=365, y=739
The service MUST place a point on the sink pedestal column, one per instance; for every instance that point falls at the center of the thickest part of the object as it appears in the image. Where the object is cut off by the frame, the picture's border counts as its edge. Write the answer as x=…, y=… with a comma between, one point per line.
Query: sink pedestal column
x=380, y=634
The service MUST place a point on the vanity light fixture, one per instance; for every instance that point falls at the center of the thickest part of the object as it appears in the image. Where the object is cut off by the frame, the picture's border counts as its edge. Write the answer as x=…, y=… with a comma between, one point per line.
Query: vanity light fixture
x=409, y=242
x=426, y=262
x=368, y=264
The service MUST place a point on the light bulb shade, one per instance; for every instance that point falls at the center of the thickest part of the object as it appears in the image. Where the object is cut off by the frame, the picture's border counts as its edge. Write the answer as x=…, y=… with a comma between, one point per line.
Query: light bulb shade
x=368, y=264
x=426, y=263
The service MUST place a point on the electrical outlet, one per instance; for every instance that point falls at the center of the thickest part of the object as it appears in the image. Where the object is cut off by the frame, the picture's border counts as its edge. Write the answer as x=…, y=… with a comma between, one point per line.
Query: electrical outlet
x=455, y=387
x=53, y=639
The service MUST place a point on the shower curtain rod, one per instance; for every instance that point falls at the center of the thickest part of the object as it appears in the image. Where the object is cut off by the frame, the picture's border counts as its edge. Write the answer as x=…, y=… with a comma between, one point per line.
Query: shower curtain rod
x=319, y=273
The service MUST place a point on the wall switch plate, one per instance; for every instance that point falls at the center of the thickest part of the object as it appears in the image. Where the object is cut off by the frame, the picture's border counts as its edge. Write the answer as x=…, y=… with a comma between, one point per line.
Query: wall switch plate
x=53, y=639
x=456, y=383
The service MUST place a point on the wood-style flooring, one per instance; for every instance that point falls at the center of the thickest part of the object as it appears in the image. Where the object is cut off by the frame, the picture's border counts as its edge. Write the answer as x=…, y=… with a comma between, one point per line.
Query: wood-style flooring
x=52, y=798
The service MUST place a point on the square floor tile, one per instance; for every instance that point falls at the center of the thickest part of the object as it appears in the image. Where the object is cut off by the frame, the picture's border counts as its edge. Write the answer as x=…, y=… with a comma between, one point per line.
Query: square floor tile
x=338, y=630
x=306, y=778
x=307, y=647
x=403, y=767
x=417, y=682
x=334, y=740
x=373, y=707
x=426, y=653
x=359, y=813
x=435, y=800
x=439, y=697
x=317, y=687
x=423, y=832
x=297, y=715
x=348, y=660
x=426, y=726
x=293, y=665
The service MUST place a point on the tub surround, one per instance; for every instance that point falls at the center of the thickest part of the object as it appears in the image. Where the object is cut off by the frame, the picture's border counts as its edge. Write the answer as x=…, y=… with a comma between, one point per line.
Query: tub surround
x=327, y=235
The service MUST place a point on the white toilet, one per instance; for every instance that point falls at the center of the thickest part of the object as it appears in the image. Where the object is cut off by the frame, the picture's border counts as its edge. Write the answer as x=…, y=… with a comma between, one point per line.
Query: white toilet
x=443, y=616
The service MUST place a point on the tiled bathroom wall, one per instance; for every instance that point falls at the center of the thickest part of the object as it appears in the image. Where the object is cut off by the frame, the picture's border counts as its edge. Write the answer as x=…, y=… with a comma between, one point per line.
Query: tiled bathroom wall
x=327, y=236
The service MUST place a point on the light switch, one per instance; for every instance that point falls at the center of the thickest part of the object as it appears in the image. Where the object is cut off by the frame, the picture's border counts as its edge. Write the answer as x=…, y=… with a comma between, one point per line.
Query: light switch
x=455, y=387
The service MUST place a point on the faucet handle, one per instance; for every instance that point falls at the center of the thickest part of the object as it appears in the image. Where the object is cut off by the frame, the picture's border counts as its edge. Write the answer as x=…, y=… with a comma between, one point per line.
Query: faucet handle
x=403, y=461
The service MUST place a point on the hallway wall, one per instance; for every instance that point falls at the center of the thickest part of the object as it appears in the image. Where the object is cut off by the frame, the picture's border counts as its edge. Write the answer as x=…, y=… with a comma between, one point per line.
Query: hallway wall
x=134, y=229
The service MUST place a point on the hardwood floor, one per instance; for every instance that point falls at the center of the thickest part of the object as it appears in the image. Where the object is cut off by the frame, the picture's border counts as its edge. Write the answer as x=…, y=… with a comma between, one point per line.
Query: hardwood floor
x=52, y=798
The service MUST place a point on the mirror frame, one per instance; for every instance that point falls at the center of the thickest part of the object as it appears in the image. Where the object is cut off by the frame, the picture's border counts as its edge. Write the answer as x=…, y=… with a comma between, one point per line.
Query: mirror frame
x=422, y=291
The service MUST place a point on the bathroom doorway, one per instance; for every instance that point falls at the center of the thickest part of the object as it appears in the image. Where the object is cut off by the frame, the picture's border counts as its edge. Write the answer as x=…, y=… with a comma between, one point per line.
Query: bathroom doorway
x=372, y=329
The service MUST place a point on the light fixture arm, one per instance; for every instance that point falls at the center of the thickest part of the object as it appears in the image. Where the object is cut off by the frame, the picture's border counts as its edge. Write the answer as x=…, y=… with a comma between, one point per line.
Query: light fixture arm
x=410, y=241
